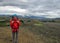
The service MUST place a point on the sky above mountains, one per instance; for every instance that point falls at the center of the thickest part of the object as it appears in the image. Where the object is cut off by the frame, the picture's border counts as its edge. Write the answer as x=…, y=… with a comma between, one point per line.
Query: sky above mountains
x=45, y=8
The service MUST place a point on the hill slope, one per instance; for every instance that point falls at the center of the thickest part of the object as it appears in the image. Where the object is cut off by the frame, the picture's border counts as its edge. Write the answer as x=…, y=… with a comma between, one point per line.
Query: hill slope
x=45, y=33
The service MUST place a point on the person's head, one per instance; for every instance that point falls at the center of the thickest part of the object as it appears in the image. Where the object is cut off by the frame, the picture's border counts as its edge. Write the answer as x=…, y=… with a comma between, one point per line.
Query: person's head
x=14, y=17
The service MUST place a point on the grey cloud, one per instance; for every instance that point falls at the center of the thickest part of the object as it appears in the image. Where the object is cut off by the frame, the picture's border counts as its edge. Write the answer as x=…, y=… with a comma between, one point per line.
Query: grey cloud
x=34, y=5
x=1, y=0
x=13, y=3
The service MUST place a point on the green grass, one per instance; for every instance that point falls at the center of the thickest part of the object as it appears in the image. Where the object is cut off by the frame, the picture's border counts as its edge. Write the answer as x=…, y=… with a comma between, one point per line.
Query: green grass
x=38, y=24
x=49, y=32
x=33, y=32
x=2, y=24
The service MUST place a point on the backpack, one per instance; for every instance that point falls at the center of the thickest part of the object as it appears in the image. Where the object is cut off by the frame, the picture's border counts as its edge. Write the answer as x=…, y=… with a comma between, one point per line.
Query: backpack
x=15, y=25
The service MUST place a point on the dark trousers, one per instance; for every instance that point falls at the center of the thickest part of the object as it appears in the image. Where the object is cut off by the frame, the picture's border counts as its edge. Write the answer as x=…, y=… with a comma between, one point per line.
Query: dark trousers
x=15, y=37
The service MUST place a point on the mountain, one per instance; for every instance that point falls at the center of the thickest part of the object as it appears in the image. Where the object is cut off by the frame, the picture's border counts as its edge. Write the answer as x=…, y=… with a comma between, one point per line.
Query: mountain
x=32, y=17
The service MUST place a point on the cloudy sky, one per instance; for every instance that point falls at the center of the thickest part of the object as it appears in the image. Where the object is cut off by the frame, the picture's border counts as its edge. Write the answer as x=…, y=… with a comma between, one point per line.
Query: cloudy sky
x=44, y=8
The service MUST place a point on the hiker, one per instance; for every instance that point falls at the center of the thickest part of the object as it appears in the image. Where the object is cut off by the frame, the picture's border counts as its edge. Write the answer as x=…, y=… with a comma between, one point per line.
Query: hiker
x=14, y=24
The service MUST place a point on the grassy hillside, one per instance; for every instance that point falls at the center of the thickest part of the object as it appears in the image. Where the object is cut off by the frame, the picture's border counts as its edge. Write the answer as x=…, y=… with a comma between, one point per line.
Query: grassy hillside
x=32, y=32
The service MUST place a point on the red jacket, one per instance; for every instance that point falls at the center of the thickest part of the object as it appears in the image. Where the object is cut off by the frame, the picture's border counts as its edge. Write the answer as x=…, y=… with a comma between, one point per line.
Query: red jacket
x=15, y=26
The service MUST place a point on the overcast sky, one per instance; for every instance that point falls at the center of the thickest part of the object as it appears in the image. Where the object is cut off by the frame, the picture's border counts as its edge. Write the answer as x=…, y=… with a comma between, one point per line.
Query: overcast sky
x=45, y=8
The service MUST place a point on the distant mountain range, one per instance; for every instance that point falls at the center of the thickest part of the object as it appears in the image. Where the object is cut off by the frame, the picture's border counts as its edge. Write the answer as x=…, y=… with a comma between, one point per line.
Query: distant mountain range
x=31, y=17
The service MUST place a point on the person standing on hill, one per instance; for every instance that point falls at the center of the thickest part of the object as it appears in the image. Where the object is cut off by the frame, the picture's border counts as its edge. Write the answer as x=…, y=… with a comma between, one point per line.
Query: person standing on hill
x=14, y=24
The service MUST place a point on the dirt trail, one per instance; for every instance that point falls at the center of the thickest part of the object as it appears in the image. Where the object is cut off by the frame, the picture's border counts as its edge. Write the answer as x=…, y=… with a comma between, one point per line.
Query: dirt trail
x=25, y=36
